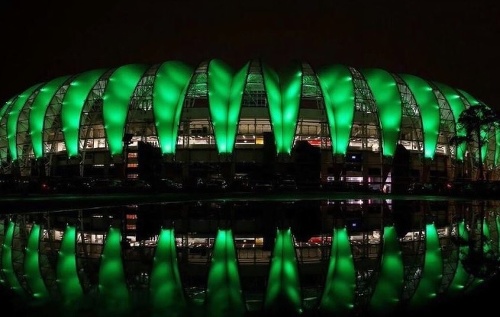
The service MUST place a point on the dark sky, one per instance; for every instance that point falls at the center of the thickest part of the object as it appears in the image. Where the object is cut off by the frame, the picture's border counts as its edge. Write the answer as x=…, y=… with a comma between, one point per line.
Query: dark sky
x=455, y=42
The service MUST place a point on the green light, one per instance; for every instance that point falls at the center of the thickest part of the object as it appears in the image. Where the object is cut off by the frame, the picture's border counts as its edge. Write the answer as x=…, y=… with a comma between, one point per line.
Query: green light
x=67, y=271
x=283, y=287
x=38, y=110
x=225, y=93
x=338, y=93
x=339, y=293
x=169, y=91
x=224, y=294
x=388, y=100
x=7, y=258
x=484, y=134
x=13, y=117
x=3, y=132
x=432, y=271
x=497, y=222
x=429, y=112
x=387, y=293
x=32, y=266
x=113, y=291
x=283, y=96
x=457, y=106
x=497, y=147
x=72, y=106
x=116, y=101
x=167, y=293
x=461, y=277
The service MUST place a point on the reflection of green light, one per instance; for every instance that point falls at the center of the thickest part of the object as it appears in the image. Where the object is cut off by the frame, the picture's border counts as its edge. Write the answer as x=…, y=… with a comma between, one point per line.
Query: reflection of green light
x=67, y=271
x=224, y=294
x=225, y=95
x=13, y=117
x=7, y=257
x=167, y=294
x=429, y=111
x=116, y=100
x=460, y=277
x=283, y=96
x=487, y=236
x=171, y=83
x=388, y=290
x=457, y=107
x=338, y=92
x=38, y=110
x=72, y=106
x=388, y=100
x=112, y=287
x=283, y=287
x=339, y=293
x=32, y=265
x=432, y=271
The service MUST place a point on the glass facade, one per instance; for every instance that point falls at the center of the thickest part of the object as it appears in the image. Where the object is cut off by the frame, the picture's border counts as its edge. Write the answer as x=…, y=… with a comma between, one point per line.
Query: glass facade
x=177, y=108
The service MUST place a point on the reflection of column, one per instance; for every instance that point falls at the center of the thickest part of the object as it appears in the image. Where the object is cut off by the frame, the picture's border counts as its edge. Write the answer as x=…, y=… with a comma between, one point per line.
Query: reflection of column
x=426, y=171
x=385, y=170
x=283, y=289
x=127, y=140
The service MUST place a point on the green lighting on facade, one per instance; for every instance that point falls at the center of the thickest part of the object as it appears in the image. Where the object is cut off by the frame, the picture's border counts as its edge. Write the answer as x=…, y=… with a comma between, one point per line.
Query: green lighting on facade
x=116, y=101
x=72, y=106
x=224, y=293
x=12, y=119
x=497, y=223
x=339, y=293
x=225, y=93
x=497, y=147
x=388, y=100
x=283, y=287
x=429, y=111
x=169, y=91
x=167, y=293
x=457, y=106
x=38, y=110
x=338, y=92
x=484, y=134
x=3, y=132
x=113, y=291
x=283, y=96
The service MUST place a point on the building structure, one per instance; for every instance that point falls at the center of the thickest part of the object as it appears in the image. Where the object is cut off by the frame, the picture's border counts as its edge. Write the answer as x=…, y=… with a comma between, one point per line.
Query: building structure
x=360, y=126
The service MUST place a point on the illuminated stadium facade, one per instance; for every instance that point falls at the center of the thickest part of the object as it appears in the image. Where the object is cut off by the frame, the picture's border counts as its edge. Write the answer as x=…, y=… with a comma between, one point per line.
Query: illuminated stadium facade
x=92, y=123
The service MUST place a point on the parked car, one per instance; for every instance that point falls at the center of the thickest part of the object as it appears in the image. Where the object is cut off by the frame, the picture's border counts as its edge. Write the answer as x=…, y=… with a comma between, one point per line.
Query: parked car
x=166, y=185
x=136, y=186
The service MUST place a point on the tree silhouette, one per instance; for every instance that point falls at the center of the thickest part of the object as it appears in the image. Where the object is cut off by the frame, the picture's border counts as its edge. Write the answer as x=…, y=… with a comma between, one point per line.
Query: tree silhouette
x=476, y=122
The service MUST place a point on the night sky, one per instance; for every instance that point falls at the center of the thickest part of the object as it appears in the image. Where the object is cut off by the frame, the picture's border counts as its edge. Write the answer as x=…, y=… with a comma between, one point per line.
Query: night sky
x=453, y=43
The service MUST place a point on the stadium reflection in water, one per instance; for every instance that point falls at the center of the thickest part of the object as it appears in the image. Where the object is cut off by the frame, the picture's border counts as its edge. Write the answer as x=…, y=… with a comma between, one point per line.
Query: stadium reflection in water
x=245, y=258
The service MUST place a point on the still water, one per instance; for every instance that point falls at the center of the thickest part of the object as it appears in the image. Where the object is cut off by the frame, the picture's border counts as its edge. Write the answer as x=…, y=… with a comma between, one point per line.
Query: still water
x=322, y=257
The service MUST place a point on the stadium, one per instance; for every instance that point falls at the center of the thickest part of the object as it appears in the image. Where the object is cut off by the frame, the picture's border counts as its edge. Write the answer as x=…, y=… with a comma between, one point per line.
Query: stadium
x=366, y=127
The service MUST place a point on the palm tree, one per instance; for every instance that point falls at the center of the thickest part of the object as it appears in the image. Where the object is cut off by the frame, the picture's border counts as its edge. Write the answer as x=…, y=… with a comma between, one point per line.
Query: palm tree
x=476, y=122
